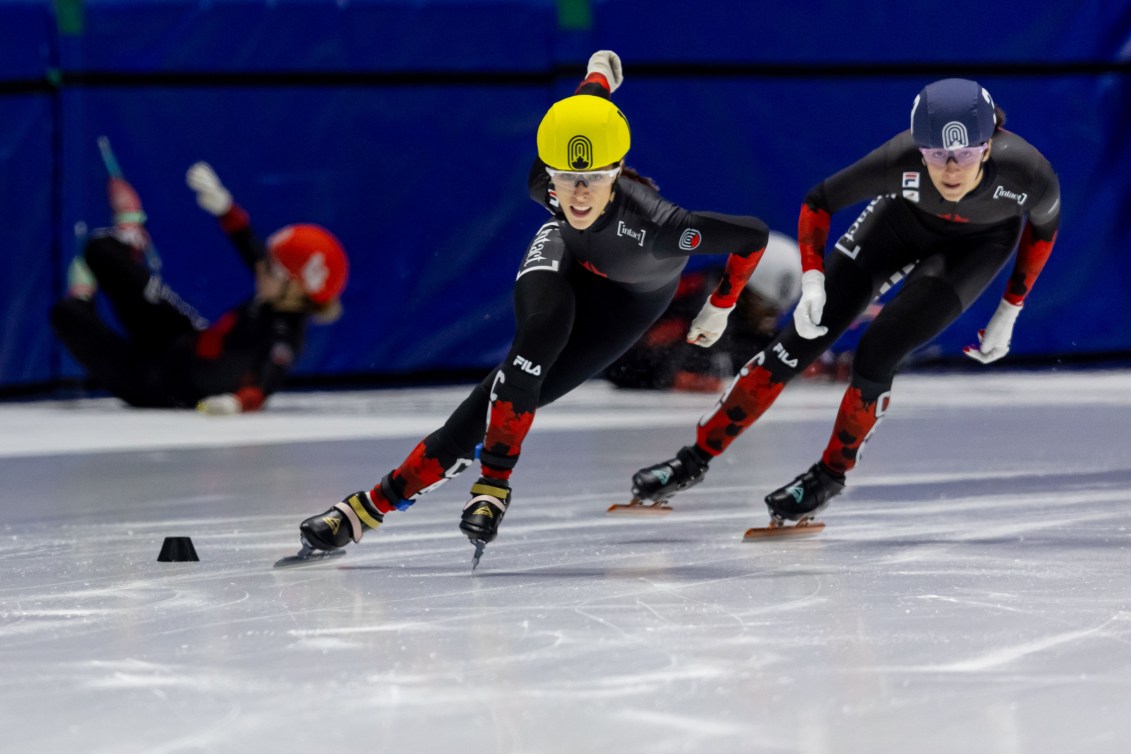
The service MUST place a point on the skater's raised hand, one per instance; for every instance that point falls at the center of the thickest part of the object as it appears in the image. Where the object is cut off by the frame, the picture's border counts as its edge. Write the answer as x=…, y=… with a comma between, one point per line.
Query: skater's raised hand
x=210, y=193
x=708, y=325
x=994, y=340
x=811, y=307
x=606, y=63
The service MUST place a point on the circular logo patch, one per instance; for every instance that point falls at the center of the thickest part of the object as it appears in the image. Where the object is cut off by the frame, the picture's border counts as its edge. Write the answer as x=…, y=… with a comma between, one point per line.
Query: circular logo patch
x=690, y=239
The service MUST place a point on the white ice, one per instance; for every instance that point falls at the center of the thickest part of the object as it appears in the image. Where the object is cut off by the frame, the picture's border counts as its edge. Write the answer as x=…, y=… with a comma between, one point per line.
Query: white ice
x=972, y=592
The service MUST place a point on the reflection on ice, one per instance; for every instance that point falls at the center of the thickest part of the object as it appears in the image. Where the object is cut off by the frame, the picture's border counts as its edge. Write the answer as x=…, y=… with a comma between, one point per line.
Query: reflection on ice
x=969, y=593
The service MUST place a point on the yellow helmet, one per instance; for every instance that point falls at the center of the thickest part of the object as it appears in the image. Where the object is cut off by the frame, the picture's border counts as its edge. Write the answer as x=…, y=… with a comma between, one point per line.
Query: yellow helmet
x=583, y=132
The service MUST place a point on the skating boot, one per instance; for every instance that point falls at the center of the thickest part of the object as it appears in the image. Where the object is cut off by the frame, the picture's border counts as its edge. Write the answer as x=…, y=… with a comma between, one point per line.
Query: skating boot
x=484, y=512
x=806, y=496
x=658, y=483
x=345, y=521
x=799, y=501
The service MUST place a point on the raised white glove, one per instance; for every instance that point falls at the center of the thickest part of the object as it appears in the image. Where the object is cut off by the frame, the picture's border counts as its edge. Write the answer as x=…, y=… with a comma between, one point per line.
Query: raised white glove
x=811, y=307
x=708, y=325
x=224, y=404
x=607, y=63
x=210, y=193
x=995, y=338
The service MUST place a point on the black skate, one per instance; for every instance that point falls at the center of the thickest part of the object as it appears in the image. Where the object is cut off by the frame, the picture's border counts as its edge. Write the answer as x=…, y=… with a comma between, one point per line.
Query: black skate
x=806, y=496
x=326, y=534
x=660, y=482
x=484, y=512
x=800, y=500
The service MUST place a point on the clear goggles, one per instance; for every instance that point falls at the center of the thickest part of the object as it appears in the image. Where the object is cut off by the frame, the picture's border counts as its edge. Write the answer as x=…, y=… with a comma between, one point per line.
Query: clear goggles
x=965, y=156
x=569, y=179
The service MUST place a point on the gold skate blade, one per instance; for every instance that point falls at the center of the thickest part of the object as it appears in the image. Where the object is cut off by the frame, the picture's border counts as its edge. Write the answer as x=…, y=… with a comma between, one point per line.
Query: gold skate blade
x=638, y=507
x=803, y=529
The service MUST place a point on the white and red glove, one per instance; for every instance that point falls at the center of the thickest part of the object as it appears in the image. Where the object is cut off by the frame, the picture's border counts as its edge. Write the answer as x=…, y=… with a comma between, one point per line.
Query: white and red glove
x=606, y=63
x=811, y=307
x=224, y=404
x=210, y=193
x=708, y=325
x=995, y=338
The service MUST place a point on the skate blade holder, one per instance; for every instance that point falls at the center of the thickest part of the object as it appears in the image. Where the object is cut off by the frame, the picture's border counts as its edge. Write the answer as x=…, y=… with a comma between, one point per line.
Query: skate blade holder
x=804, y=528
x=640, y=507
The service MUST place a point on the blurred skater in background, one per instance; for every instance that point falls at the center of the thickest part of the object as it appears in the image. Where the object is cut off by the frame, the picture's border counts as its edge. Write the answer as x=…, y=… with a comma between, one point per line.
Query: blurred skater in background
x=593, y=280
x=664, y=359
x=166, y=354
x=951, y=199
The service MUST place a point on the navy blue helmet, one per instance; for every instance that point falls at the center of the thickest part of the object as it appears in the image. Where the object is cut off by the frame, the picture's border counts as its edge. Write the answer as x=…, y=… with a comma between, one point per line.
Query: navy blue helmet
x=951, y=114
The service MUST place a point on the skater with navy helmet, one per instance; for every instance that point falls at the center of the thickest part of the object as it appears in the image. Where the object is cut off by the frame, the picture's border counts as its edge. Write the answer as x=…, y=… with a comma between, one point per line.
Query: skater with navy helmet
x=595, y=276
x=165, y=354
x=951, y=199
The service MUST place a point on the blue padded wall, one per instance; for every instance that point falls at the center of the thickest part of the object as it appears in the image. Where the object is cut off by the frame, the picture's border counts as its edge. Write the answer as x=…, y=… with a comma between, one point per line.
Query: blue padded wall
x=407, y=127
x=28, y=183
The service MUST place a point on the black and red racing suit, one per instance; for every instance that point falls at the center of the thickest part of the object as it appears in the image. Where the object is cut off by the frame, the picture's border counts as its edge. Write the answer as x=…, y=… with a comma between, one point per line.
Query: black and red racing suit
x=581, y=298
x=947, y=251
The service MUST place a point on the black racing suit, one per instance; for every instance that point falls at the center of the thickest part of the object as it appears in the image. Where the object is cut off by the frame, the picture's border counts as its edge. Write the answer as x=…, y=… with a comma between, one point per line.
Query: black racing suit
x=948, y=251
x=582, y=298
x=169, y=356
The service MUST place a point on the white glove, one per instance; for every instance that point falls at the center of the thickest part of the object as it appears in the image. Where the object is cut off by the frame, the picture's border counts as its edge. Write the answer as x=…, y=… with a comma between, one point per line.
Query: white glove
x=210, y=193
x=708, y=325
x=607, y=63
x=811, y=307
x=224, y=404
x=995, y=338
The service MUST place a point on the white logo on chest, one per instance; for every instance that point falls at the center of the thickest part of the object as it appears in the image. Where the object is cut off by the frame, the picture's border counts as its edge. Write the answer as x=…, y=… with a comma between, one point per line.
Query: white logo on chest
x=1003, y=193
x=635, y=235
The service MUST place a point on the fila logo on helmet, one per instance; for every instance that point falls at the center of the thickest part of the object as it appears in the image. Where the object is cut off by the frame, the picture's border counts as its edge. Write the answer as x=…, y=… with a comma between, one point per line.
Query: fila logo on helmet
x=954, y=135
x=690, y=239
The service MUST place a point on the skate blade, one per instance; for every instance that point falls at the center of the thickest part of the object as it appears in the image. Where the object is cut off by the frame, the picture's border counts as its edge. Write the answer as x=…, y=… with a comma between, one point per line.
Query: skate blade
x=638, y=507
x=307, y=556
x=480, y=546
x=803, y=529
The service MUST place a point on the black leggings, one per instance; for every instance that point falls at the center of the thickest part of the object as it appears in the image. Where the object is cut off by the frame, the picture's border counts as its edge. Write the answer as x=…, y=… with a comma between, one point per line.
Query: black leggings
x=947, y=274
x=570, y=326
x=153, y=318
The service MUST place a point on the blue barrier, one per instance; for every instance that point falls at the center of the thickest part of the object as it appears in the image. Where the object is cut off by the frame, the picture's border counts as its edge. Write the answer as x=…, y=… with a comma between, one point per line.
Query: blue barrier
x=424, y=178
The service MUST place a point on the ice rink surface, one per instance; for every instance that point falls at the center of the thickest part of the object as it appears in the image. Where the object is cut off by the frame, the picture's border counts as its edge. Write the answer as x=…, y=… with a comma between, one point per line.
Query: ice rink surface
x=972, y=592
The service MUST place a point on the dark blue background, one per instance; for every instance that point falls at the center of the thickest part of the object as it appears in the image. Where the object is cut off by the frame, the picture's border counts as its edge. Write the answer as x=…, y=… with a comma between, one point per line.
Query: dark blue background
x=416, y=156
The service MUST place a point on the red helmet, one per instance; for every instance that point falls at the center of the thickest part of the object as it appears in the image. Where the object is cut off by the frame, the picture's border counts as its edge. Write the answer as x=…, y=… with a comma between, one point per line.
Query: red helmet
x=313, y=257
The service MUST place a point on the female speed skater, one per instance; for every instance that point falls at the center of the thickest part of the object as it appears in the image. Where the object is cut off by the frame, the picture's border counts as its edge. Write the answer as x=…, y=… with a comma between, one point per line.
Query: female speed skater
x=168, y=356
x=594, y=278
x=951, y=199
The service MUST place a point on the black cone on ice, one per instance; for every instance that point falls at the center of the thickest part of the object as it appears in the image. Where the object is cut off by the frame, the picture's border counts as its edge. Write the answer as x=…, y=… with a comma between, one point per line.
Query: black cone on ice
x=176, y=550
